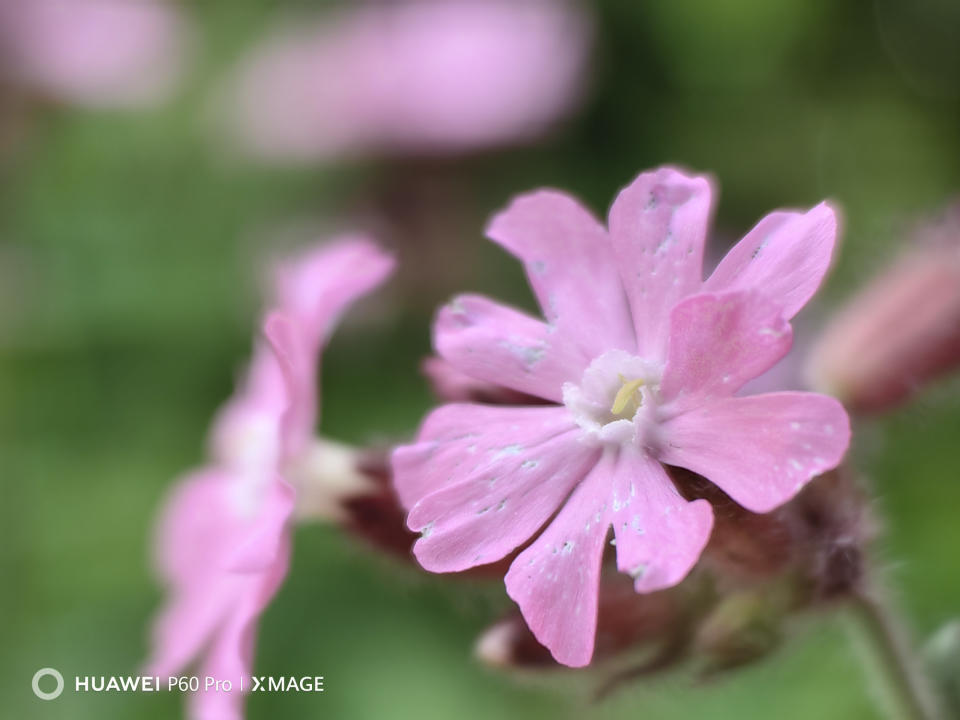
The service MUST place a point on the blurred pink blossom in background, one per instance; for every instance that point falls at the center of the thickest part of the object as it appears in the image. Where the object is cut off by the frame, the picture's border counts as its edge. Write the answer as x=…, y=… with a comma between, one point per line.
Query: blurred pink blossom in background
x=96, y=53
x=411, y=77
x=224, y=541
x=900, y=331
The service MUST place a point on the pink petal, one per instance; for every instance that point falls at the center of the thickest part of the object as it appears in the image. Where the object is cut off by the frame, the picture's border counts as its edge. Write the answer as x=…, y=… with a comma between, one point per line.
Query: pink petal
x=760, y=450
x=317, y=287
x=231, y=655
x=458, y=440
x=659, y=534
x=184, y=627
x=571, y=267
x=211, y=704
x=263, y=543
x=218, y=542
x=718, y=343
x=658, y=226
x=188, y=621
x=451, y=385
x=196, y=534
x=245, y=437
x=556, y=580
x=312, y=292
x=496, y=508
x=298, y=367
x=503, y=346
x=785, y=256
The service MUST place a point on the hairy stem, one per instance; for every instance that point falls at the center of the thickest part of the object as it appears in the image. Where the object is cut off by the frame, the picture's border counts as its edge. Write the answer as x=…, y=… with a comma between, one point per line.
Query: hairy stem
x=899, y=672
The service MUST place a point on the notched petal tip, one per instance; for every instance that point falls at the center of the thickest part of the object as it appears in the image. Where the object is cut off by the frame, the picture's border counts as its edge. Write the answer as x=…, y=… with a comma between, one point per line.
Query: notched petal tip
x=698, y=529
x=658, y=228
x=668, y=185
x=571, y=267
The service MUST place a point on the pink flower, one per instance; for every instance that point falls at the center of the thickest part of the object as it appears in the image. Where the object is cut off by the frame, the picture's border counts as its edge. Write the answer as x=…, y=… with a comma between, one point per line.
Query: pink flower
x=901, y=331
x=100, y=53
x=224, y=539
x=641, y=361
x=418, y=76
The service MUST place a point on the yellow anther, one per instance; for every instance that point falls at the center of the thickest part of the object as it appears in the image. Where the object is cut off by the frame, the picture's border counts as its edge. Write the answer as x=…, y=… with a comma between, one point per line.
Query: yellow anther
x=626, y=395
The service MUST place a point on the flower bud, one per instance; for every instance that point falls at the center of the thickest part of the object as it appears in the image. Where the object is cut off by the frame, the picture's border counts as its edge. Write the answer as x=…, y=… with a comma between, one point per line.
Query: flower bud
x=832, y=525
x=509, y=643
x=818, y=538
x=897, y=334
x=744, y=546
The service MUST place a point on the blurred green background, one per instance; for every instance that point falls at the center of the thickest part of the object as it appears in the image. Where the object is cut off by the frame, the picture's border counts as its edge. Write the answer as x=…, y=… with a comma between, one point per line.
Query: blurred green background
x=128, y=278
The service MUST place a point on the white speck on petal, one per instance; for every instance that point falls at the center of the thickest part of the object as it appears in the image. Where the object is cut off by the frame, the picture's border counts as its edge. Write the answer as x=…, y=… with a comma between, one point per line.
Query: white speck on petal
x=528, y=355
x=508, y=451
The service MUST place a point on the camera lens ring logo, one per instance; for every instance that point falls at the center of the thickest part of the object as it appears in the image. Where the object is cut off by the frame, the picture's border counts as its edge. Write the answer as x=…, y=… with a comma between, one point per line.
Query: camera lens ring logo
x=47, y=672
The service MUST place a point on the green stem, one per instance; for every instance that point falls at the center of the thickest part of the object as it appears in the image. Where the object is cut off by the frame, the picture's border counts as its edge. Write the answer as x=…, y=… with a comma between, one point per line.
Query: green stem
x=891, y=654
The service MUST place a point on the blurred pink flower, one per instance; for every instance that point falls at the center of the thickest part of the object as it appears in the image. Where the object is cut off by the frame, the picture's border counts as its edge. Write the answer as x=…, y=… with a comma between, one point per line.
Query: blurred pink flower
x=98, y=53
x=641, y=361
x=224, y=542
x=415, y=76
x=900, y=331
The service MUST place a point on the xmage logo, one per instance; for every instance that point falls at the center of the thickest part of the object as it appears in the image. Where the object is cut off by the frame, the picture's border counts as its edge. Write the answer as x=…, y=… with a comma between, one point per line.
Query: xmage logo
x=264, y=683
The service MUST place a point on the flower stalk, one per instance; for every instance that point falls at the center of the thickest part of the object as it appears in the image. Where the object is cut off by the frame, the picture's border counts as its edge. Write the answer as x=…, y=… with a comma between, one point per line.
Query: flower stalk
x=898, y=671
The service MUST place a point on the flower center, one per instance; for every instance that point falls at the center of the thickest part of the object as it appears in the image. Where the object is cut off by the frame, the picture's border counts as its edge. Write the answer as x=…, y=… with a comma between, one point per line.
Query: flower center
x=616, y=399
x=628, y=398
